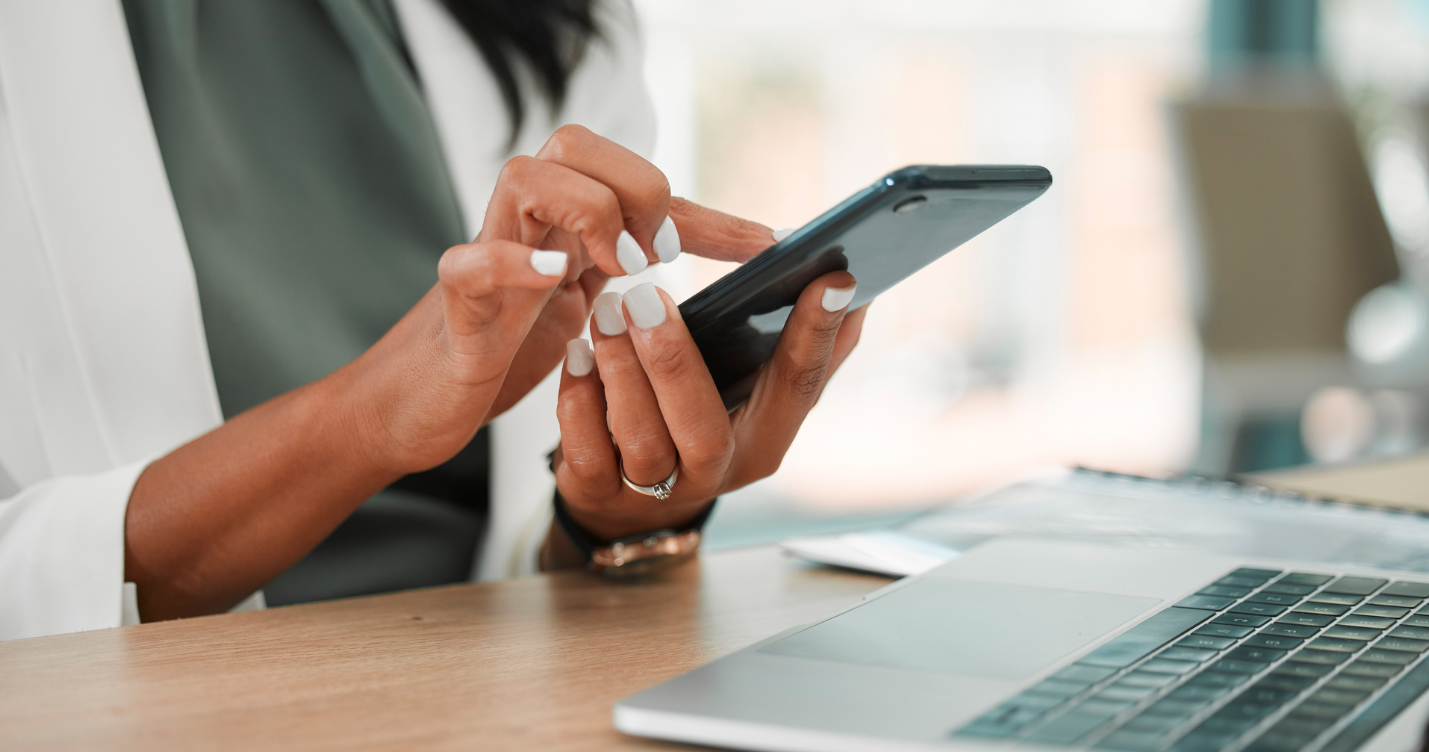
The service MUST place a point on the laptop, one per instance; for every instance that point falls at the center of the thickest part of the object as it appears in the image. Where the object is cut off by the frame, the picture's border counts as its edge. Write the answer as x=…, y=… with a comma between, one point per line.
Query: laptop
x=1026, y=643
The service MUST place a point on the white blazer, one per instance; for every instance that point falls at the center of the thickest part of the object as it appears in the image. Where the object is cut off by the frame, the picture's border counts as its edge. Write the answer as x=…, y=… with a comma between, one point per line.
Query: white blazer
x=103, y=362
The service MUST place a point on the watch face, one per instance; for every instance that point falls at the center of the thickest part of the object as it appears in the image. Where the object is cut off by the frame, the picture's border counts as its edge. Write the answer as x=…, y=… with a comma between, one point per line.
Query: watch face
x=653, y=553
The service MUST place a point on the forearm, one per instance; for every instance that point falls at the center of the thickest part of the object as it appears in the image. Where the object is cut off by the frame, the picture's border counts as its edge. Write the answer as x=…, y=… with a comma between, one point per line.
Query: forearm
x=222, y=515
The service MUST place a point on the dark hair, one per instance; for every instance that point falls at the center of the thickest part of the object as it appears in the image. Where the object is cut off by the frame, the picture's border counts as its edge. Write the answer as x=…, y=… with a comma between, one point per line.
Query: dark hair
x=549, y=35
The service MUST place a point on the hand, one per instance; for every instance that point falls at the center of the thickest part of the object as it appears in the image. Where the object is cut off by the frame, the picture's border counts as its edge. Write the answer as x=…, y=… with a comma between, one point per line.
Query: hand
x=644, y=401
x=475, y=345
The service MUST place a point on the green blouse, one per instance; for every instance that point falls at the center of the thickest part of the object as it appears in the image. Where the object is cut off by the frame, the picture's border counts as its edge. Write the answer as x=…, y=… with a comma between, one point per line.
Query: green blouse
x=315, y=200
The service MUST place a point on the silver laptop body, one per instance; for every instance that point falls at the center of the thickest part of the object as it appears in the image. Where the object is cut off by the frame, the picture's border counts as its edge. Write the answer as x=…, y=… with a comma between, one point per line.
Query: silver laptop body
x=1043, y=644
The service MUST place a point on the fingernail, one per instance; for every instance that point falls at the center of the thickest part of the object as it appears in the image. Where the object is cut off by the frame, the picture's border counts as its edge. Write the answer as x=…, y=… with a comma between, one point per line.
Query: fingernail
x=784, y=233
x=608, y=318
x=579, y=358
x=836, y=299
x=549, y=263
x=628, y=253
x=667, y=242
x=646, y=307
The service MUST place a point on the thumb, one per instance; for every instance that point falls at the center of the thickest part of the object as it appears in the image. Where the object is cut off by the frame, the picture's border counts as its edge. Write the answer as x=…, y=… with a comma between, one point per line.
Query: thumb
x=716, y=235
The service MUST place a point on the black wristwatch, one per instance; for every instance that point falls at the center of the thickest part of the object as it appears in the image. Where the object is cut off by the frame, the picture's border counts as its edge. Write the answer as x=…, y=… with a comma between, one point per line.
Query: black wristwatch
x=634, y=555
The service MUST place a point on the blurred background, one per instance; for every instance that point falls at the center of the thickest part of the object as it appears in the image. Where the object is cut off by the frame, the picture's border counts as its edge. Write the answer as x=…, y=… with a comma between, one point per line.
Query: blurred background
x=1226, y=276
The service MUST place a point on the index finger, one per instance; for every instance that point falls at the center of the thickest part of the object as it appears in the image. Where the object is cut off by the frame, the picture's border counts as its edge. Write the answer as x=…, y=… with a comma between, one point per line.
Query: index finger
x=639, y=186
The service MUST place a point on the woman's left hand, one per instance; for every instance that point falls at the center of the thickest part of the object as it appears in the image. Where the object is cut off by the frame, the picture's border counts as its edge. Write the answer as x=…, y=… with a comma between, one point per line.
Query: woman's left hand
x=646, y=402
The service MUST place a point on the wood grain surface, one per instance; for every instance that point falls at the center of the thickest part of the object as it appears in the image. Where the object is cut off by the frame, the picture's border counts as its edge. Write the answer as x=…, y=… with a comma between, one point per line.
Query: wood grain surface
x=534, y=663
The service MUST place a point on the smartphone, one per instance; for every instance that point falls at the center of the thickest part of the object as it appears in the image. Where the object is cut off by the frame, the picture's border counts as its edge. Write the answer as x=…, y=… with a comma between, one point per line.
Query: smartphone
x=882, y=234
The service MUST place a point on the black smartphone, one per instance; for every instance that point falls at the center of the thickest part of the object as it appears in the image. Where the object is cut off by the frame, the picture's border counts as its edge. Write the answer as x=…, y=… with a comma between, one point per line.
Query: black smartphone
x=882, y=234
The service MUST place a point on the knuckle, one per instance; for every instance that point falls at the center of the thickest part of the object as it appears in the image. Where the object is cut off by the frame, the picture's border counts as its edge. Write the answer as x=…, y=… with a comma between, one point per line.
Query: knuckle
x=516, y=171
x=804, y=381
x=668, y=364
x=653, y=189
x=567, y=138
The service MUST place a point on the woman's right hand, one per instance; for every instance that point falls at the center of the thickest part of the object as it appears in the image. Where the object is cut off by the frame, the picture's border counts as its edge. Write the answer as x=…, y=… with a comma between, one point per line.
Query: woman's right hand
x=583, y=208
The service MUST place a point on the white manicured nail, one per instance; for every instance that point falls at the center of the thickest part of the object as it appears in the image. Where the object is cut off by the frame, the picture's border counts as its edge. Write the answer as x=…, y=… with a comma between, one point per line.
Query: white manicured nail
x=836, y=299
x=646, y=307
x=608, y=317
x=579, y=358
x=667, y=242
x=628, y=253
x=784, y=233
x=549, y=263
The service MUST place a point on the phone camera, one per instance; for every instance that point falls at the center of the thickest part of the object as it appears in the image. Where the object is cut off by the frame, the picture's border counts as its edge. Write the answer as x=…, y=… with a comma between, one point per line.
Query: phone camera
x=910, y=205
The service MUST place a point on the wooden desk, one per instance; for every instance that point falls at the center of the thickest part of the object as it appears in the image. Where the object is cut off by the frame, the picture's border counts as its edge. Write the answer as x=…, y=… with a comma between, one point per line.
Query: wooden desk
x=534, y=663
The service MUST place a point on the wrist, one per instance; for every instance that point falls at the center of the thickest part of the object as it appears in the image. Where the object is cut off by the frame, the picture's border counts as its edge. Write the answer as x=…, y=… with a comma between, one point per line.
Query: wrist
x=605, y=526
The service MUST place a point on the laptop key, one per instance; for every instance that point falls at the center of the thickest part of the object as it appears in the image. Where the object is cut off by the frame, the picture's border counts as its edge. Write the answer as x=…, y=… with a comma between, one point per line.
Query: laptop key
x=1402, y=643
x=1411, y=589
x=1385, y=612
x=1353, y=633
x=1306, y=620
x=1263, y=609
x=1290, y=630
x=1224, y=630
x=1306, y=670
x=1355, y=585
x=1222, y=591
x=1259, y=574
x=1242, y=620
x=1417, y=620
x=1281, y=587
x=1103, y=707
x=1178, y=653
x=1415, y=633
x=1206, y=642
x=1304, y=578
x=1263, y=694
x=1066, y=729
x=1284, y=682
x=1241, y=582
x=1124, y=692
x=1167, y=666
x=1198, y=693
x=1146, y=679
x=1217, y=679
x=1139, y=641
x=1321, y=711
x=1322, y=609
x=1332, y=696
x=1175, y=709
x=1397, y=657
x=1398, y=601
x=1259, y=655
x=1358, y=683
x=1321, y=657
x=1273, y=641
x=1343, y=599
x=1279, y=599
x=1373, y=670
x=1367, y=622
x=1338, y=646
x=1205, y=602
x=1235, y=666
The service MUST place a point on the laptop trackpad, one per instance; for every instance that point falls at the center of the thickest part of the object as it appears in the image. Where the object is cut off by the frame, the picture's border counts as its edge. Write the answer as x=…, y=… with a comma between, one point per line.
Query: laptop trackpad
x=968, y=628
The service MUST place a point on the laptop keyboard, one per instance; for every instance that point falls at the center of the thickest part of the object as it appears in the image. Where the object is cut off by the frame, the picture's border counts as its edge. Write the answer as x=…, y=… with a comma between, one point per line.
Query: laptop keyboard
x=1259, y=660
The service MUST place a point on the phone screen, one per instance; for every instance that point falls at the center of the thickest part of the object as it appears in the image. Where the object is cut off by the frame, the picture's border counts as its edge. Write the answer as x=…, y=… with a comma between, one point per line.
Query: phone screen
x=882, y=235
